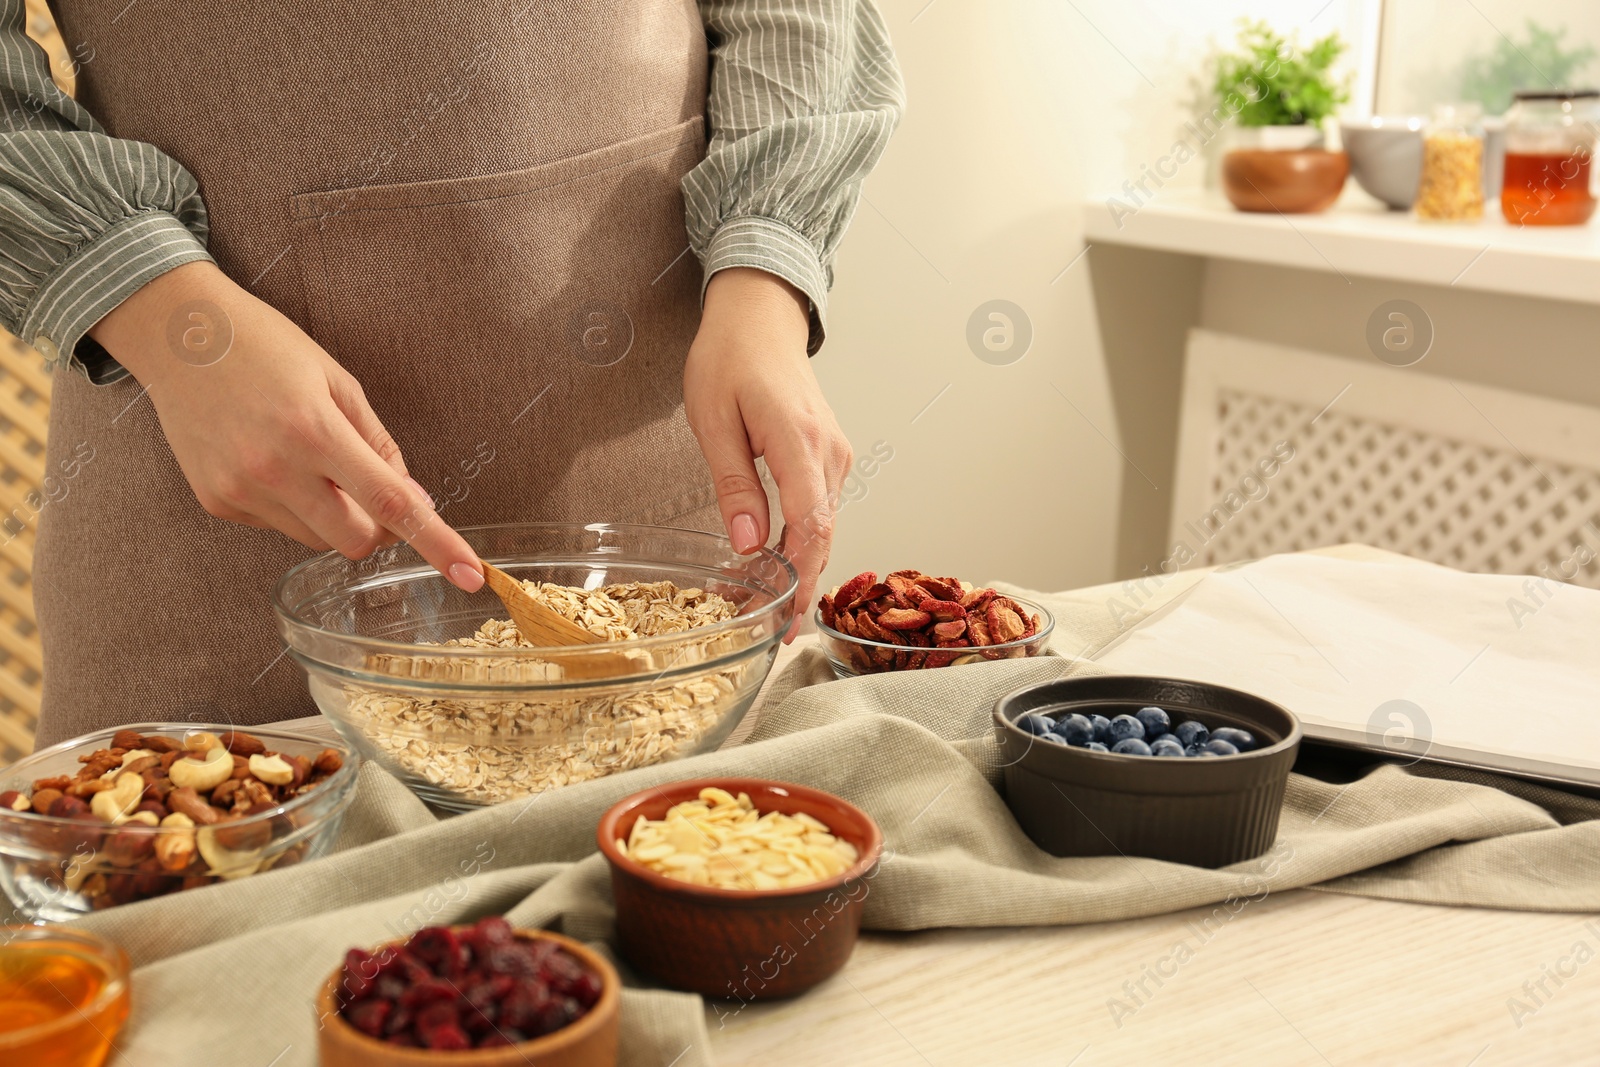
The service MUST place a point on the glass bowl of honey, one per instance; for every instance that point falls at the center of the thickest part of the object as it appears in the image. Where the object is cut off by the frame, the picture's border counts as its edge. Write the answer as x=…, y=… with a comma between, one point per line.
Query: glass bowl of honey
x=63, y=996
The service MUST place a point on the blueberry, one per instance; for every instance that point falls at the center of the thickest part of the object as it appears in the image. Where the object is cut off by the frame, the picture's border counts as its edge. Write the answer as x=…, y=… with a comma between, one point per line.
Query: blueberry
x=1166, y=748
x=1206, y=753
x=1102, y=728
x=1192, y=750
x=1131, y=746
x=1095, y=746
x=1218, y=747
x=1075, y=730
x=1190, y=733
x=1166, y=737
x=1054, y=739
x=1038, y=725
x=1125, y=728
x=1243, y=740
x=1155, y=721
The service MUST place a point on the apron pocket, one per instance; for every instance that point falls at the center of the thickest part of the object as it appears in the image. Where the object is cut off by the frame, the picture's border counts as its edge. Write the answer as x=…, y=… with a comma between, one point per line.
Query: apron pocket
x=539, y=316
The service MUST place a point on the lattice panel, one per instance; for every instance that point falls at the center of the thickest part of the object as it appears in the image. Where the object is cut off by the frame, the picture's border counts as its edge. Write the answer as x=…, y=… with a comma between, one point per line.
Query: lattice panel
x=1352, y=478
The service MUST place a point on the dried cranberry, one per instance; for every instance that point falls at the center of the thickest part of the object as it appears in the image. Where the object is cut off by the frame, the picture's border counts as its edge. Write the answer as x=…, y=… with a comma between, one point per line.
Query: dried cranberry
x=561, y=971
x=524, y=1006
x=439, y=1013
x=445, y=1035
x=369, y=1016
x=390, y=986
x=440, y=948
x=404, y=1040
x=428, y=991
x=586, y=990
x=557, y=1012
x=359, y=971
x=490, y=990
x=399, y=1022
x=501, y=1038
x=400, y=963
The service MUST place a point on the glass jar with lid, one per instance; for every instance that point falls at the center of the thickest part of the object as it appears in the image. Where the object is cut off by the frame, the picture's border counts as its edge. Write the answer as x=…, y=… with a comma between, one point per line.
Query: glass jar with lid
x=1550, y=145
x=1451, y=188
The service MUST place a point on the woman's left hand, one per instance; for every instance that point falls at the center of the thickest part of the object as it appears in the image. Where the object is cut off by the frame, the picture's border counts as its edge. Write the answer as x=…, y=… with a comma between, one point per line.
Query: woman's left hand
x=749, y=392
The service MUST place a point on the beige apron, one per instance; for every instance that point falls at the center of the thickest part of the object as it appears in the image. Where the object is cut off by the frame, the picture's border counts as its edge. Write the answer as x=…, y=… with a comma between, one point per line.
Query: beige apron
x=475, y=208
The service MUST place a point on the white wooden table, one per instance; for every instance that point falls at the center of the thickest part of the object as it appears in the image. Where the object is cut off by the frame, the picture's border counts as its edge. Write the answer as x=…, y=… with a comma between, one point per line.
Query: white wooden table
x=1300, y=977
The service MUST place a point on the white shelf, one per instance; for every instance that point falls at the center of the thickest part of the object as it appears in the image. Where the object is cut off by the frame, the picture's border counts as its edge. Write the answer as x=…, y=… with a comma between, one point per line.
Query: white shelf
x=1351, y=239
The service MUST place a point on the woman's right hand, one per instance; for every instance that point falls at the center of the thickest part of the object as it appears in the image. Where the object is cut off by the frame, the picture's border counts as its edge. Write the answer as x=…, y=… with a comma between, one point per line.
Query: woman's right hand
x=273, y=432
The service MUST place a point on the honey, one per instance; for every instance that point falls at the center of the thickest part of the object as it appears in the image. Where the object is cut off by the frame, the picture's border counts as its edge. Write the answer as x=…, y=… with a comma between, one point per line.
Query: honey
x=1547, y=189
x=63, y=997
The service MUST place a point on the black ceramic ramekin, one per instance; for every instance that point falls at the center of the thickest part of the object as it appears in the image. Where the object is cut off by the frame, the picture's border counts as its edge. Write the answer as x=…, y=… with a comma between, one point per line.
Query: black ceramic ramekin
x=1203, y=812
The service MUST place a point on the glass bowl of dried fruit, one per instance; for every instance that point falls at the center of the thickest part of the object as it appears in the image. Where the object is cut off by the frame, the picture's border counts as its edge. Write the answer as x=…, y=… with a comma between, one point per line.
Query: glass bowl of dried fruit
x=913, y=621
x=123, y=815
x=438, y=687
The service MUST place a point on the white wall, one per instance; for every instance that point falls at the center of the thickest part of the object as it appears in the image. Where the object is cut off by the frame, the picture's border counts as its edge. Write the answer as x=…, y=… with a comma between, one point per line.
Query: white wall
x=1018, y=111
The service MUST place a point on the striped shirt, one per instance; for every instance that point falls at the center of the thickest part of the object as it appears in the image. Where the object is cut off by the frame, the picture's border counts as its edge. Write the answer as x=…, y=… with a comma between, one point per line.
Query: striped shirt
x=804, y=95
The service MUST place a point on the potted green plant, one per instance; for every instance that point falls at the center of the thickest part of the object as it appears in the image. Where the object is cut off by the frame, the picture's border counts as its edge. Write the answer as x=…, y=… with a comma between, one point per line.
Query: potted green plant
x=1275, y=97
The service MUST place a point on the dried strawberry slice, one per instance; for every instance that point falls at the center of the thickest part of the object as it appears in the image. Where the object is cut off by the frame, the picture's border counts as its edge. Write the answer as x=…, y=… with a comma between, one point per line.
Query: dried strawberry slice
x=978, y=630
x=879, y=597
x=826, y=610
x=904, y=619
x=845, y=596
x=939, y=658
x=1005, y=624
x=868, y=627
x=943, y=610
x=940, y=588
x=948, y=631
x=977, y=600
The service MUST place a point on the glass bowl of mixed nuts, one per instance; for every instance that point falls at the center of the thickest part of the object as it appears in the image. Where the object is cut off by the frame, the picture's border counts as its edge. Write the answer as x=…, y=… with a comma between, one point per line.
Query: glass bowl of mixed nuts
x=914, y=621
x=123, y=815
x=439, y=688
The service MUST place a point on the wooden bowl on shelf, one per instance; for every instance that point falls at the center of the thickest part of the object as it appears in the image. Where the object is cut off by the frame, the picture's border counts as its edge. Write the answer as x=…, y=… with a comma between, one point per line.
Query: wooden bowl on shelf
x=590, y=1041
x=744, y=944
x=1285, y=181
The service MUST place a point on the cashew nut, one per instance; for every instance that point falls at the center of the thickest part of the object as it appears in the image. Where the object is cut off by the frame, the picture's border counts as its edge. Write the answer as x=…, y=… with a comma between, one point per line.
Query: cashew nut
x=175, y=851
x=144, y=818
x=274, y=770
x=202, y=775
x=226, y=863
x=114, y=804
x=201, y=741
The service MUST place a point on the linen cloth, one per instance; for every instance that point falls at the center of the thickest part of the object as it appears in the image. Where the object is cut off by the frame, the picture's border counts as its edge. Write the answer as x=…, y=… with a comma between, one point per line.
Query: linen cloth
x=236, y=966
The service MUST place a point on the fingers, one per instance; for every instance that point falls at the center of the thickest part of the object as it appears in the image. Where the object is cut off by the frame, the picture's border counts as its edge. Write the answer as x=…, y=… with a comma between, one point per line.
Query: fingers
x=352, y=400
x=740, y=497
x=394, y=503
x=809, y=465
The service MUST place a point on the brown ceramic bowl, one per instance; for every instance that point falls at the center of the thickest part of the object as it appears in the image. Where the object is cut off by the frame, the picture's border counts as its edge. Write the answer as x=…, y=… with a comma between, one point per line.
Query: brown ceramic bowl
x=743, y=944
x=589, y=1042
x=1292, y=181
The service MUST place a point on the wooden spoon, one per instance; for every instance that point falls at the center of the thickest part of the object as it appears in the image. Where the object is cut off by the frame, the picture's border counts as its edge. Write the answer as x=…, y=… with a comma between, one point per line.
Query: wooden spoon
x=536, y=623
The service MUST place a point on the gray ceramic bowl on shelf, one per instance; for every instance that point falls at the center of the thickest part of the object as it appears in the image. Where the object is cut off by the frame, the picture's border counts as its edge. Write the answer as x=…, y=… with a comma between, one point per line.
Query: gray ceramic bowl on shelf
x=1386, y=156
x=1203, y=812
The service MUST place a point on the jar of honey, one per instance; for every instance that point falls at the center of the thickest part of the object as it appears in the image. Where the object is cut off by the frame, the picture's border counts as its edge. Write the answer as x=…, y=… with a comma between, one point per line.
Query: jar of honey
x=63, y=996
x=1550, y=145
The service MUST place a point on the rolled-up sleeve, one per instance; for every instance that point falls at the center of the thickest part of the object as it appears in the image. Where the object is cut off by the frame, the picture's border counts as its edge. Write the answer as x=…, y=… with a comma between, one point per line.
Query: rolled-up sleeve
x=85, y=218
x=804, y=96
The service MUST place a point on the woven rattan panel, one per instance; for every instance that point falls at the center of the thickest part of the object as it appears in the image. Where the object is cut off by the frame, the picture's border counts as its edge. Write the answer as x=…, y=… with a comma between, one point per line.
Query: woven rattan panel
x=24, y=414
x=1351, y=478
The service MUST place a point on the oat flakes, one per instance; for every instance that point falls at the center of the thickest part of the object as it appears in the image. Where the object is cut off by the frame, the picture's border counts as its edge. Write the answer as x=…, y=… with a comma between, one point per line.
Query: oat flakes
x=489, y=751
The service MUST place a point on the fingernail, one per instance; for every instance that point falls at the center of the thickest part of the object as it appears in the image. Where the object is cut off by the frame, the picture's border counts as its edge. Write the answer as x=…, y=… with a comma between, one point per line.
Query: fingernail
x=466, y=577
x=743, y=532
x=426, y=496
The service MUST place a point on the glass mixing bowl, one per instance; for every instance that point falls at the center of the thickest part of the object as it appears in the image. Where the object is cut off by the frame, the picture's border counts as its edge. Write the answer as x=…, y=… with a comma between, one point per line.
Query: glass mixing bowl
x=468, y=727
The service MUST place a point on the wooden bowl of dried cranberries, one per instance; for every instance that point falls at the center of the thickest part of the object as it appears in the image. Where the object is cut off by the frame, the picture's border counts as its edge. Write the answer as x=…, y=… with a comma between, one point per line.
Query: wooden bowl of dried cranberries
x=484, y=995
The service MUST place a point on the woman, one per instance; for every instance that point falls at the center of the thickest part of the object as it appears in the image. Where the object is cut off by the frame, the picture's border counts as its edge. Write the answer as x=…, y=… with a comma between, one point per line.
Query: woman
x=351, y=255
